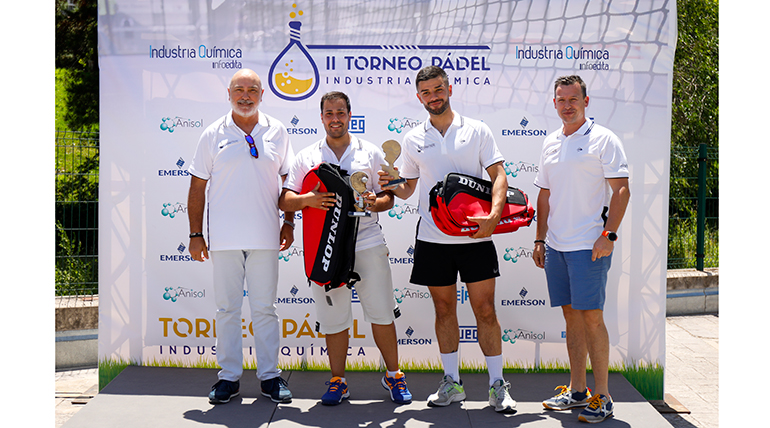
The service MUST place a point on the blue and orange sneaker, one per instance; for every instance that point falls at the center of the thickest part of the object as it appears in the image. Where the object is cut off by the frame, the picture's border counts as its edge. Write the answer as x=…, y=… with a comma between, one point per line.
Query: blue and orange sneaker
x=399, y=393
x=567, y=399
x=338, y=391
x=599, y=408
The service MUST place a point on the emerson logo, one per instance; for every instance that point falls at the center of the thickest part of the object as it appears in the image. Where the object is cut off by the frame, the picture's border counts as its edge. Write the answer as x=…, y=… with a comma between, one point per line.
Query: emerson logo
x=523, y=301
x=178, y=172
x=294, y=299
x=414, y=341
x=404, y=260
x=181, y=257
x=524, y=131
x=297, y=130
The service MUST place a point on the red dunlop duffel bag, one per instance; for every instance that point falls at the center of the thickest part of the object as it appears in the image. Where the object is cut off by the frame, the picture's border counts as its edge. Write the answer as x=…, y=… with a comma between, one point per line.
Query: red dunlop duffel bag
x=460, y=196
x=329, y=237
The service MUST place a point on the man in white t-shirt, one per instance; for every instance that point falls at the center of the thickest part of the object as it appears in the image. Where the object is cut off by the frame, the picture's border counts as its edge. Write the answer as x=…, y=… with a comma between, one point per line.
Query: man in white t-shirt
x=448, y=142
x=375, y=289
x=580, y=165
x=241, y=158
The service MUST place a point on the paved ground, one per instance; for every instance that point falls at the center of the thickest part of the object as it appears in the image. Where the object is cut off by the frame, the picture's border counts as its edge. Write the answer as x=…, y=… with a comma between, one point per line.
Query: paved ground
x=692, y=375
x=692, y=369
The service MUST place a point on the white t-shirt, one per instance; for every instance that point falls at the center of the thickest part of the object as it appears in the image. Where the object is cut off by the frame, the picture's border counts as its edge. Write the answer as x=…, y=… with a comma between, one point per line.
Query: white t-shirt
x=575, y=168
x=243, y=191
x=360, y=155
x=468, y=147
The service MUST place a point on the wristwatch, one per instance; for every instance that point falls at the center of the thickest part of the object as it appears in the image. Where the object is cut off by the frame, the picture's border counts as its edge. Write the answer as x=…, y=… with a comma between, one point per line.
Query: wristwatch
x=612, y=236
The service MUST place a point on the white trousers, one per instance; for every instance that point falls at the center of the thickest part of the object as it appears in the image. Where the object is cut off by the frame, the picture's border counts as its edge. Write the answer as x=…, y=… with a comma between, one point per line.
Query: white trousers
x=259, y=269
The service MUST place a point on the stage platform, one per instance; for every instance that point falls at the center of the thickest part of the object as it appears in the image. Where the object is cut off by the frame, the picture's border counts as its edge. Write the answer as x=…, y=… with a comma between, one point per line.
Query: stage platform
x=177, y=397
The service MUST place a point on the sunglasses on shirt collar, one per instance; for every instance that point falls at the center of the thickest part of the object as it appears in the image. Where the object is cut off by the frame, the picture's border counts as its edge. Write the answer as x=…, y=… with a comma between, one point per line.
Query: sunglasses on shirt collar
x=252, y=148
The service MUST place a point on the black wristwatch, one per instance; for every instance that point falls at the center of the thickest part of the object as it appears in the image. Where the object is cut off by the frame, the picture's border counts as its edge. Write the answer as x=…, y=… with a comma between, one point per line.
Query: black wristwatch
x=612, y=236
x=196, y=235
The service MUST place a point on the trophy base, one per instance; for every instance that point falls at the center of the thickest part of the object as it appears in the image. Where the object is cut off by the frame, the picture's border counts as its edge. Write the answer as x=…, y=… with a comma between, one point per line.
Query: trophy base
x=359, y=214
x=395, y=182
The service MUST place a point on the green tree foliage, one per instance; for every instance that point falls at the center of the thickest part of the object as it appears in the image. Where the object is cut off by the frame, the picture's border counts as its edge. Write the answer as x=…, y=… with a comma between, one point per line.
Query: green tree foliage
x=694, y=121
x=77, y=51
x=695, y=98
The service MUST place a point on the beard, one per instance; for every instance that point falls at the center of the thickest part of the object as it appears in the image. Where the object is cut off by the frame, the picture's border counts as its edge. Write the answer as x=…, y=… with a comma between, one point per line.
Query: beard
x=245, y=108
x=440, y=109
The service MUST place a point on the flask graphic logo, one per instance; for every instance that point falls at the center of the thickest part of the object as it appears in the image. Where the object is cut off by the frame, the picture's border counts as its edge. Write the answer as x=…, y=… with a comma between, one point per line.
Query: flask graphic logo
x=294, y=75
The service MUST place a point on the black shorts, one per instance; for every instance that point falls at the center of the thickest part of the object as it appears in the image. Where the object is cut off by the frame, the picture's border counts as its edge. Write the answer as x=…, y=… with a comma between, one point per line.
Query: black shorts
x=438, y=264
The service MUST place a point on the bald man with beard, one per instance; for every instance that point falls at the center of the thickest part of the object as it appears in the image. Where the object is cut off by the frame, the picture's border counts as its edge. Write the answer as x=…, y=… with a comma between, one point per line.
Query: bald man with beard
x=237, y=171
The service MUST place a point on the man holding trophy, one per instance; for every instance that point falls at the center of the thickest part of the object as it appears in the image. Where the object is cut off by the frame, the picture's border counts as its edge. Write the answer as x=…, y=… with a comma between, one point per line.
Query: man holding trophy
x=448, y=142
x=361, y=159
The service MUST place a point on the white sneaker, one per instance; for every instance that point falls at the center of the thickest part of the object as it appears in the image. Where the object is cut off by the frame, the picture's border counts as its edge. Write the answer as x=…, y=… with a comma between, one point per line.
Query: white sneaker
x=500, y=399
x=448, y=392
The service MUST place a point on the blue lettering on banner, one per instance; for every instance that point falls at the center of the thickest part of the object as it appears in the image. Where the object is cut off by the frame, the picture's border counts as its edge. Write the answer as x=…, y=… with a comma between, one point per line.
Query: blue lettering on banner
x=524, y=133
x=462, y=295
x=469, y=334
x=420, y=341
x=302, y=131
x=295, y=300
x=173, y=173
x=523, y=302
x=357, y=125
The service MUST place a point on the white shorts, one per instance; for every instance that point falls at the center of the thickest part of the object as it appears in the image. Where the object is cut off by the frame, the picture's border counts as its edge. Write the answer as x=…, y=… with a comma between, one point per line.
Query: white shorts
x=375, y=292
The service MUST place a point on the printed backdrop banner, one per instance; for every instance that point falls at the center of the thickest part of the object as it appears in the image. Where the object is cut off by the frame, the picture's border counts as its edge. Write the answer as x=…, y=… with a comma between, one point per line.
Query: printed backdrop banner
x=165, y=68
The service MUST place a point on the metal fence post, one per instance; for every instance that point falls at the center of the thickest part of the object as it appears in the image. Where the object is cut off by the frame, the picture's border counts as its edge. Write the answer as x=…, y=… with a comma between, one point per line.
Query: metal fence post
x=700, y=251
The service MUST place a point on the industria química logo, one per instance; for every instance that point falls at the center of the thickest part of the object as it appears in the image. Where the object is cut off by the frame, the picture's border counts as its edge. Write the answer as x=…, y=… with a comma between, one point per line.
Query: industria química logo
x=294, y=75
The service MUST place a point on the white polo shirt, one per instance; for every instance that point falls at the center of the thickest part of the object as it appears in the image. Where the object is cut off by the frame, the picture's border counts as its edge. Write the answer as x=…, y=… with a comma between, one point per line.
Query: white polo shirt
x=242, y=190
x=360, y=155
x=575, y=168
x=468, y=147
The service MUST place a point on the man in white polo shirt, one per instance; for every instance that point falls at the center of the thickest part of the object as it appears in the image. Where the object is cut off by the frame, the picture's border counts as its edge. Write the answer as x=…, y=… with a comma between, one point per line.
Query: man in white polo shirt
x=242, y=157
x=448, y=142
x=375, y=289
x=580, y=165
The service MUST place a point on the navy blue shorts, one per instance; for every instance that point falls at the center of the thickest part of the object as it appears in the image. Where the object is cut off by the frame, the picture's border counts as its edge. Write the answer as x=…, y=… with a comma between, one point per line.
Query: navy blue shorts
x=439, y=264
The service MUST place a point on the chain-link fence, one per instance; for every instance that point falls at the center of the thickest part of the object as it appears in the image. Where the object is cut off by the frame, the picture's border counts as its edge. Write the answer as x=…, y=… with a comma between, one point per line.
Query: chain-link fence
x=77, y=206
x=693, y=226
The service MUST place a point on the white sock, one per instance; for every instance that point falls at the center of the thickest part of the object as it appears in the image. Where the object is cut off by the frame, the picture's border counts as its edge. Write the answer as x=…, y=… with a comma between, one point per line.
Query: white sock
x=392, y=374
x=495, y=368
x=451, y=363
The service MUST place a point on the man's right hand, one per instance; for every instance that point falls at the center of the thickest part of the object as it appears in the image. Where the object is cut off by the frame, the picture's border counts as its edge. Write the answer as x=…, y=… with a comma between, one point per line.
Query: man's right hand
x=198, y=249
x=538, y=255
x=320, y=200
